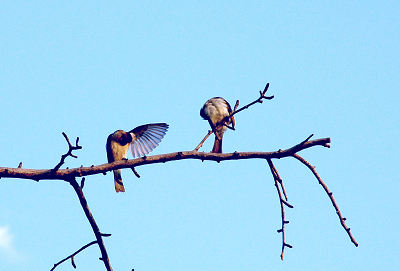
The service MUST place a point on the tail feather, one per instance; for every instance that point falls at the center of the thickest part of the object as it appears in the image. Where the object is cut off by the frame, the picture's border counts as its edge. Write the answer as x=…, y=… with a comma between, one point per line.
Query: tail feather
x=119, y=186
x=217, y=148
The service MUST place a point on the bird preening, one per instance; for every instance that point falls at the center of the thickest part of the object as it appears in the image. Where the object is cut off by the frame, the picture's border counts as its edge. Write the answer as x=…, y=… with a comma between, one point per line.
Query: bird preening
x=218, y=113
x=141, y=140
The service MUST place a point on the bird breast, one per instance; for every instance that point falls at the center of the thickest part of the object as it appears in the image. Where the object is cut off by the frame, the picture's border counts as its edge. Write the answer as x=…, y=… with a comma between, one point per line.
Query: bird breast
x=119, y=151
x=216, y=110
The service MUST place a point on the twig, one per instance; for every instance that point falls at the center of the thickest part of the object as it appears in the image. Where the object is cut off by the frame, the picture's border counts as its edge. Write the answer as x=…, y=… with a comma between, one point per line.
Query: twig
x=69, y=153
x=236, y=105
x=135, y=172
x=95, y=228
x=73, y=255
x=259, y=100
x=277, y=180
x=335, y=205
x=204, y=139
x=82, y=182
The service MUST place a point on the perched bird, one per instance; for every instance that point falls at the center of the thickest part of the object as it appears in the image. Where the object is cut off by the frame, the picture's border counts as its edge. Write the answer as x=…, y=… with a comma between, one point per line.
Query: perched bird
x=142, y=140
x=217, y=110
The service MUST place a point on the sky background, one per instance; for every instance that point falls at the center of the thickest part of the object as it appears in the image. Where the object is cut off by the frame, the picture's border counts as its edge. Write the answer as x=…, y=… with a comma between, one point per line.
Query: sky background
x=90, y=68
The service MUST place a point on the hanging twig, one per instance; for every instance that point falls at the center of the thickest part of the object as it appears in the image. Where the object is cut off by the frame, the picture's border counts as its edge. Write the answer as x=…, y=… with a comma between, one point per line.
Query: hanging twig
x=282, y=202
x=135, y=172
x=335, y=205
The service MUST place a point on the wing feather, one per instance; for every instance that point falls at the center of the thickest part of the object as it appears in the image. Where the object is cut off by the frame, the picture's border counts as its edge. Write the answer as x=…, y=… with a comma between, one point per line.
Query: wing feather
x=146, y=138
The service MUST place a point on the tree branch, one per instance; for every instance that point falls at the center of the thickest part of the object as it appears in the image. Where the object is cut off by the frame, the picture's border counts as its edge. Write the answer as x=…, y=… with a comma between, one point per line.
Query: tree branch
x=278, y=181
x=65, y=174
x=69, y=175
x=204, y=139
x=89, y=216
x=73, y=255
x=335, y=205
x=69, y=153
x=259, y=100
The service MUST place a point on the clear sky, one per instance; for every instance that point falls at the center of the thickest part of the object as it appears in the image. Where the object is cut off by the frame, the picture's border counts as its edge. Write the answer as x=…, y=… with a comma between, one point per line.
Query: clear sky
x=90, y=68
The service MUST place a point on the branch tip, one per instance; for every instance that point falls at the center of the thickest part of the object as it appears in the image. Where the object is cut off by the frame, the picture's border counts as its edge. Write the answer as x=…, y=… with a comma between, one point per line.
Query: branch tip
x=236, y=106
x=330, y=194
x=135, y=172
x=82, y=182
x=73, y=262
x=69, y=153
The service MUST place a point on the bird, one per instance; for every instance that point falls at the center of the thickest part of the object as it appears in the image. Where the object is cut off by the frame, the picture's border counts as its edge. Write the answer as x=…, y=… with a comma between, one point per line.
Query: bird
x=141, y=140
x=217, y=111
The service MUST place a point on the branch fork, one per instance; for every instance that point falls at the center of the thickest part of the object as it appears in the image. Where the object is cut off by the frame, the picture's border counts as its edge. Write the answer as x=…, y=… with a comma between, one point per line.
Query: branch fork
x=69, y=153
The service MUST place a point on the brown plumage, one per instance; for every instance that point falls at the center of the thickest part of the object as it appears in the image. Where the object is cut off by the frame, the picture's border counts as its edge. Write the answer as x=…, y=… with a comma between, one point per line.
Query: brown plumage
x=217, y=110
x=142, y=140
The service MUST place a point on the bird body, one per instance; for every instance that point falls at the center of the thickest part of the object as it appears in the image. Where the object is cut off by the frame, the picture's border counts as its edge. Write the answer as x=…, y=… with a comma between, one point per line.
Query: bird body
x=141, y=140
x=217, y=110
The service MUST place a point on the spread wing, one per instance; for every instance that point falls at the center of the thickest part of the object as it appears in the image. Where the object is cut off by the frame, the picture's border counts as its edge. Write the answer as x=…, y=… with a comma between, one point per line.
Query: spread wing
x=145, y=138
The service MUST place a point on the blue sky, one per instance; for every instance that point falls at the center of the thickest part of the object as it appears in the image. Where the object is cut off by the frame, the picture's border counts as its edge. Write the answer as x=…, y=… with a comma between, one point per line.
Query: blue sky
x=90, y=68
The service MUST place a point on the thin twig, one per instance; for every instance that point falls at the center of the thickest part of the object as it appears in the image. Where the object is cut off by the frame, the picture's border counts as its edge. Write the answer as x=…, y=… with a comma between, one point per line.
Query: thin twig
x=259, y=100
x=335, y=205
x=236, y=105
x=281, y=202
x=204, y=139
x=69, y=153
x=82, y=182
x=135, y=172
x=279, y=179
x=73, y=255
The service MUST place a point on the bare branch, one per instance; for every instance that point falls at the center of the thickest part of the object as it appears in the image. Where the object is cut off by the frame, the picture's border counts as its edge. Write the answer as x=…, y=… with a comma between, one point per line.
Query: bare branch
x=278, y=181
x=69, y=175
x=204, y=139
x=73, y=255
x=259, y=100
x=69, y=153
x=95, y=228
x=82, y=182
x=135, y=172
x=335, y=205
x=65, y=174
